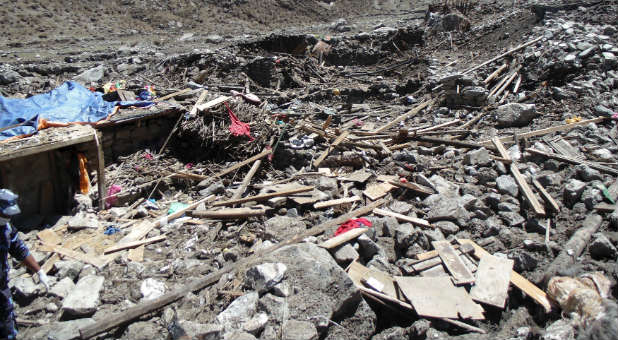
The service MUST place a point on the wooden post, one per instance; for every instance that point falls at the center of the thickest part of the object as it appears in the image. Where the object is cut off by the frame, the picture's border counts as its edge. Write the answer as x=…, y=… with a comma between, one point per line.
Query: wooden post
x=100, y=170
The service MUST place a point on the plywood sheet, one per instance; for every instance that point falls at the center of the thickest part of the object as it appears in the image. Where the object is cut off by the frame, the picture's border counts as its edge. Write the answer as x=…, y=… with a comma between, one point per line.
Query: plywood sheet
x=492, y=281
x=461, y=274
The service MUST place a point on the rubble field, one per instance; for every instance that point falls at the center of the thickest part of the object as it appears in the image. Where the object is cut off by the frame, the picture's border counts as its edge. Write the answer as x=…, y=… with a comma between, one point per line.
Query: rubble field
x=380, y=170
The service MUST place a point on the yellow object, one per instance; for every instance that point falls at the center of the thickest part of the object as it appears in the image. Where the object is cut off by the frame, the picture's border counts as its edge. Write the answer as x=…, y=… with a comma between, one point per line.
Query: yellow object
x=84, y=179
x=336, y=92
x=573, y=120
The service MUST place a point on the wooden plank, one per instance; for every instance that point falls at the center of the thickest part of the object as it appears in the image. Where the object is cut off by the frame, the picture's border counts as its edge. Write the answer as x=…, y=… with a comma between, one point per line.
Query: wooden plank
x=331, y=203
x=460, y=273
x=264, y=196
x=503, y=55
x=541, y=132
x=343, y=238
x=517, y=280
x=437, y=297
x=49, y=264
x=570, y=160
x=48, y=236
x=564, y=148
x=412, y=186
x=520, y=179
x=213, y=103
x=546, y=196
x=199, y=101
x=360, y=176
x=492, y=281
x=359, y=274
x=125, y=95
x=230, y=213
x=416, y=221
x=404, y=116
x=172, y=95
x=495, y=73
x=134, y=244
x=330, y=148
x=605, y=207
x=83, y=134
x=99, y=261
x=137, y=232
x=136, y=254
x=377, y=190
x=100, y=171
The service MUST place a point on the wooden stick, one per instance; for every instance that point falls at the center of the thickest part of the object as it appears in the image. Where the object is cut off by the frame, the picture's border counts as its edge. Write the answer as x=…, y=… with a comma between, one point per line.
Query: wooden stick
x=498, y=86
x=524, y=45
x=343, y=238
x=473, y=120
x=516, y=88
x=495, y=73
x=100, y=171
x=439, y=126
x=546, y=196
x=134, y=244
x=520, y=179
x=331, y=203
x=330, y=148
x=508, y=82
x=243, y=163
x=172, y=95
x=245, y=182
x=413, y=220
x=570, y=160
x=116, y=319
x=232, y=213
x=213, y=103
x=457, y=143
x=264, y=196
x=404, y=116
x=199, y=101
x=541, y=132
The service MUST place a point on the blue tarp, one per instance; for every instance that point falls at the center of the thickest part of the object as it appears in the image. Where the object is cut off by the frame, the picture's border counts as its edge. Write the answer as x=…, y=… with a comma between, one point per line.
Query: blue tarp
x=71, y=102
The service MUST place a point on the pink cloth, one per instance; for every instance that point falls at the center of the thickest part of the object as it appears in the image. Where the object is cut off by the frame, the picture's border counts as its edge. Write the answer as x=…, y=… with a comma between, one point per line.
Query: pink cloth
x=111, y=195
x=238, y=128
x=352, y=224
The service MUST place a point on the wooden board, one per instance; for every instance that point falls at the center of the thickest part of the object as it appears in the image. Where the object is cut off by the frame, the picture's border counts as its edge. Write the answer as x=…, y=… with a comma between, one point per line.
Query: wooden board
x=570, y=160
x=136, y=254
x=416, y=221
x=53, y=139
x=412, y=186
x=99, y=261
x=137, y=232
x=213, y=103
x=331, y=203
x=437, y=297
x=377, y=190
x=49, y=237
x=460, y=273
x=134, y=244
x=605, y=207
x=343, y=238
x=359, y=273
x=230, y=213
x=517, y=280
x=492, y=281
x=360, y=176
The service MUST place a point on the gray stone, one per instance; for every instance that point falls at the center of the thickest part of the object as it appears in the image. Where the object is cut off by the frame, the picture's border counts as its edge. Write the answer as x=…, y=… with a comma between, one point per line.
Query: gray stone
x=83, y=221
x=216, y=188
x=298, y=330
x=274, y=306
x=587, y=174
x=256, y=324
x=447, y=227
x=507, y=185
x=573, y=190
x=265, y=276
x=281, y=227
x=84, y=299
x=477, y=157
x=345, y=254
x=434, y=234
x=151, y=289
x=522, y=261
x=448, y=208
x=92, y=75
x=515, y=114
x=51, y=307
x=67, y=330
x=68, y=268
x=328, y=185
x=8, y=77
x=591, y=197
x=236, y=335
x=200, y=331
x=368, y=248
x=239, y=311
x=62, y=288
x=282, y=289
x=602, y=248
x=443, y=186
x=401, y=207
x=143, y=330
x=505, y=206
x=363, y=322
x=312, y=272
x=512, y=219
x=604, y=155
x=559, y=330
x=25, y=287
x=393, y=333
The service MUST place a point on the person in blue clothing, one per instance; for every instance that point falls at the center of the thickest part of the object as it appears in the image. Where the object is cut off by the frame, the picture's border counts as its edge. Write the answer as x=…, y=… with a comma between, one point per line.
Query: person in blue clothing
x=10, y=244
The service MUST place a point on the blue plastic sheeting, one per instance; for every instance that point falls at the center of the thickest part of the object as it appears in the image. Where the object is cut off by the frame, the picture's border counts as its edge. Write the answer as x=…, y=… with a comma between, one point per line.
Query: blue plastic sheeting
x=71, y=102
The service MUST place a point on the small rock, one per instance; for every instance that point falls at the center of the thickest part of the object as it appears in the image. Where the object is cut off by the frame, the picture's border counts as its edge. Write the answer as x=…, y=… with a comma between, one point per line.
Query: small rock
x=368, y=248
x=238, y=336
x=152, y=289
x=143, y=330
x=523, y=261
x=602, y=248
x=512, y=219
x=256, y=324
x=265, y=276
x=239, y=311
x=62, y=288
x=68, y=268
x=25, y=287
x=92, y=75
x=573, y=190
x=477, y=157
x=447, y=227
x=8, y=77
x=507, y=185
x=298, y=330
x=51, y=307
x=515, y=114
x=587, y=174
x=559, y=330
x=345, y=254
x=67, y=330
x=202, y=331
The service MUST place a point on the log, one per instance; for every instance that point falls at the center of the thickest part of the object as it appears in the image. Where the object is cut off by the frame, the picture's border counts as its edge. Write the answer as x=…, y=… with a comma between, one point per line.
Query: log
x=245, y=182
x=574, y=246
x=117, y=319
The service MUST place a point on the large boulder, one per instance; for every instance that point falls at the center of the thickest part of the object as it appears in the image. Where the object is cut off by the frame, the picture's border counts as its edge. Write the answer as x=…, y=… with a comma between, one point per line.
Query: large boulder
x=84, y=299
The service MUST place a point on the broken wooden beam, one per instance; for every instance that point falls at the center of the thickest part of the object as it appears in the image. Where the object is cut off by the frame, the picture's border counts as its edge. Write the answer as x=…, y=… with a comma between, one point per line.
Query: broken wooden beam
x=134, y=244
x=570, y=160
x=231, y=213
x=332, y=203
x=343, y=238
x=243, y=163
x=546, y=196
x=264, y=196
x=412, y=186
x=172, y=95
x=417, y=221
x=330, y=148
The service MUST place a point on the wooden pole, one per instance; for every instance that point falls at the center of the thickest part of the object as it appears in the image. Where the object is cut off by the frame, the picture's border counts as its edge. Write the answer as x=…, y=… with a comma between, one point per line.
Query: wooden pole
x=100, y=170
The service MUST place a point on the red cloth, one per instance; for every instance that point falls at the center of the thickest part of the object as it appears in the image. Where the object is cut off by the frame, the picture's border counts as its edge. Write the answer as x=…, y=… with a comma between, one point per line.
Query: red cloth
x=352, y=224
x=238, y=128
